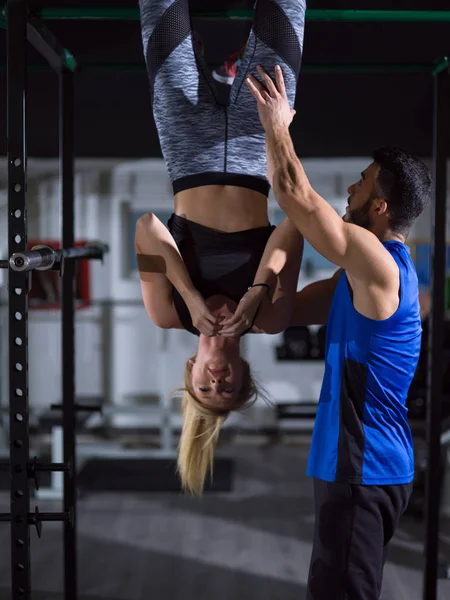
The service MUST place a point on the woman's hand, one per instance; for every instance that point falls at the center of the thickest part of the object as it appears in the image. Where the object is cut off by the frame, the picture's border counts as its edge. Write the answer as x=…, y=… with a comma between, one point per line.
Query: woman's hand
x=202, y=317
x=245, y=313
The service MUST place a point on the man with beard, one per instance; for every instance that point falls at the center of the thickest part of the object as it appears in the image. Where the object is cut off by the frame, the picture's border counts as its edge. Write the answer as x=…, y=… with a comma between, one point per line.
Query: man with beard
x=361, y=456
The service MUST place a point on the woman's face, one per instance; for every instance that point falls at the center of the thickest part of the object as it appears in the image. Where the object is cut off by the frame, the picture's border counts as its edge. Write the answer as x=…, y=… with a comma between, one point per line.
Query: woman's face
x=216, y=378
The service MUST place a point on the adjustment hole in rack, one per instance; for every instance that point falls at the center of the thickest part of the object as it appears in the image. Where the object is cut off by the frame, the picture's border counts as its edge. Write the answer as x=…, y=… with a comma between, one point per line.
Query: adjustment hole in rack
x=17, y=187
x=20, y=567
x=18, y=392
x=18, y=316
x=18, y=417
x=18, y=239
x=20, y=543
x=17, y=213
x=18, y=494
x=17, y=162
x=18, y=341
x=19, y=367
x=18, y=291
x=18, y=443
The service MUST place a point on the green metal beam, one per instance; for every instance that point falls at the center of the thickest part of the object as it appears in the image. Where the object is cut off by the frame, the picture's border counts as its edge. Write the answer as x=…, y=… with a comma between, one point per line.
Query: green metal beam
x=352, y=16
x=311, y=69
x=381, y=16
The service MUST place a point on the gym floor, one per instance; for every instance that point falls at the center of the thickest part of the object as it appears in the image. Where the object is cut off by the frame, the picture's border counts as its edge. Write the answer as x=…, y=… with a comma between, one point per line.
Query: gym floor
x=254, y=542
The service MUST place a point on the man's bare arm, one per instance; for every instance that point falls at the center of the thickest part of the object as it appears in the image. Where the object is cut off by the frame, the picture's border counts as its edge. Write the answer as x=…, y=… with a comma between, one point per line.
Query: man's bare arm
x=351, y=247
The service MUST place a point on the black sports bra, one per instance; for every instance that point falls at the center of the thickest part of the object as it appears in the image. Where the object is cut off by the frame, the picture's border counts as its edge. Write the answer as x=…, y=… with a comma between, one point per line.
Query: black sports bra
x=217, y=262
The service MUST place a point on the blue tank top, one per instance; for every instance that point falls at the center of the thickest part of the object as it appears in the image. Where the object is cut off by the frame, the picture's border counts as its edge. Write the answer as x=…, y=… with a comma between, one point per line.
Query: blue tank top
x=361, y=433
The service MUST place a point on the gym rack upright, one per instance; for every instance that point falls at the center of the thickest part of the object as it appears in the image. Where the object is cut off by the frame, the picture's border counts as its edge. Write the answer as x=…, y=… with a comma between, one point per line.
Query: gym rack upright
x=20, y=30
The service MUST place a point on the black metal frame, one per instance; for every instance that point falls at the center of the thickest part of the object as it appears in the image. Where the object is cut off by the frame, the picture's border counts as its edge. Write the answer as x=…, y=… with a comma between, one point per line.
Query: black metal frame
x=441, y=138
x=20, y=30
x=18, y=301
x=67, y=155
x=45, y=43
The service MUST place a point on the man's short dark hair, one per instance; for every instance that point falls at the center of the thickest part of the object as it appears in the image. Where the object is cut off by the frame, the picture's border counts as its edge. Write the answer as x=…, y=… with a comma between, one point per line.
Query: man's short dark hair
x=405, y=183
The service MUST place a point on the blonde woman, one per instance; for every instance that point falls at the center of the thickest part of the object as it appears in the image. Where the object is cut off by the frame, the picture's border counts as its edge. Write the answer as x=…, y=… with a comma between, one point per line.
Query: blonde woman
x=219, y=270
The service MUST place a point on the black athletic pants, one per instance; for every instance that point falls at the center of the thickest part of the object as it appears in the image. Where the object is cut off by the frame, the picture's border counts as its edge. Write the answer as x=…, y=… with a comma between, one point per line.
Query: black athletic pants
x=353, y=527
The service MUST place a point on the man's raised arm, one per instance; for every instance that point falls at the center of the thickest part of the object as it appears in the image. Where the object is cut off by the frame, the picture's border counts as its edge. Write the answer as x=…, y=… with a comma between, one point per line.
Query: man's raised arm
x=345, y=244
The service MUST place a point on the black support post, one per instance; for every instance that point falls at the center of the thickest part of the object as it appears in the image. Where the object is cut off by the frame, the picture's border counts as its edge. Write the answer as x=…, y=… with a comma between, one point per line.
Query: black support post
x=66, y=115
x=18, y=300
x=441, y=137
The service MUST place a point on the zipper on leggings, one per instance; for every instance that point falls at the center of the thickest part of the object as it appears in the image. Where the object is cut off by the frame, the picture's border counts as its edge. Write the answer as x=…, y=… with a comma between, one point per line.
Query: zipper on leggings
x=225, y=157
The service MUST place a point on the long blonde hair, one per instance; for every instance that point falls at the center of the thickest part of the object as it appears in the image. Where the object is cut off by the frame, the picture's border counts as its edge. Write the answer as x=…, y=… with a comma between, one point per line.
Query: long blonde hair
x=201, y=428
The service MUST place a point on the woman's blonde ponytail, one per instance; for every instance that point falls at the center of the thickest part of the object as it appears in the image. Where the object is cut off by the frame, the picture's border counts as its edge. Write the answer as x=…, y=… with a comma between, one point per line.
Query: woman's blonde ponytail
x=198, y=442
x=201, y=430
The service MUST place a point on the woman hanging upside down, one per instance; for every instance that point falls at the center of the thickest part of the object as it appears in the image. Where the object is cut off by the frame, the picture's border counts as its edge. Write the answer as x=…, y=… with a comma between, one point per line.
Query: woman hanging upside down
x=219, y=270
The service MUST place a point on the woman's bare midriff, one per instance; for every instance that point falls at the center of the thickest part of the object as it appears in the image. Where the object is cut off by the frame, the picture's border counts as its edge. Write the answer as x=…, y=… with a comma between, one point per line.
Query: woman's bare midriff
x=223, y=207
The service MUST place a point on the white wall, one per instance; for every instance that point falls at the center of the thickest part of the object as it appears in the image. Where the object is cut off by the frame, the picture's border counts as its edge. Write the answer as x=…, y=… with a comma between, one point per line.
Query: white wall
x=139, y=360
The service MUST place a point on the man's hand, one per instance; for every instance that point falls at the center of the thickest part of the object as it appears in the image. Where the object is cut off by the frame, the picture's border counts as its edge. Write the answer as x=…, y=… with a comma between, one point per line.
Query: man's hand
x=273, y=104
x=245, y=313
x=202, y=317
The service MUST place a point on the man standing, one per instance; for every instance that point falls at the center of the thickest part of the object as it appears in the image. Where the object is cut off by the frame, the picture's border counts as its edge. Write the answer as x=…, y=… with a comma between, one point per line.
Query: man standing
x=361, y=455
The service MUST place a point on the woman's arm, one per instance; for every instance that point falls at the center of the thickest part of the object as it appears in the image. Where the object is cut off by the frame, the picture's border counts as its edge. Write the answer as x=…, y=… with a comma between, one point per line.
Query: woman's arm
x=279, y=267
x=161, y=268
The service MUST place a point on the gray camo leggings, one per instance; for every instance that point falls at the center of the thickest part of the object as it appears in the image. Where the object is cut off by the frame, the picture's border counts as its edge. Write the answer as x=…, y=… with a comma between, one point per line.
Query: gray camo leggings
x=204, y=142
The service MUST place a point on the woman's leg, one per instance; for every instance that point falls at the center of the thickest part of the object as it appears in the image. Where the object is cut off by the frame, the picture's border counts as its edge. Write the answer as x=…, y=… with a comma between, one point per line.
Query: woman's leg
x=190, y=124
x=276, y=37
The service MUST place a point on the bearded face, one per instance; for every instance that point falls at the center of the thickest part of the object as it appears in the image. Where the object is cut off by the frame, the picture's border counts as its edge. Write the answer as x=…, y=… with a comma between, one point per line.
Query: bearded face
x=362, y=195
x=360, y=215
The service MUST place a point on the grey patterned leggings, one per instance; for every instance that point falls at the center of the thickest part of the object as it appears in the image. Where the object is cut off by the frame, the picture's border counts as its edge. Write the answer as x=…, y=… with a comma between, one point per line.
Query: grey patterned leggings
x=203, y=141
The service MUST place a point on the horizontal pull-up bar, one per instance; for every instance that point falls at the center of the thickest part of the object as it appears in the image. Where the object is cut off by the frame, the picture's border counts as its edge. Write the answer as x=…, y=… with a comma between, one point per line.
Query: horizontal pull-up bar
x=386, y=16
x=359, y=16
x=307, y=69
